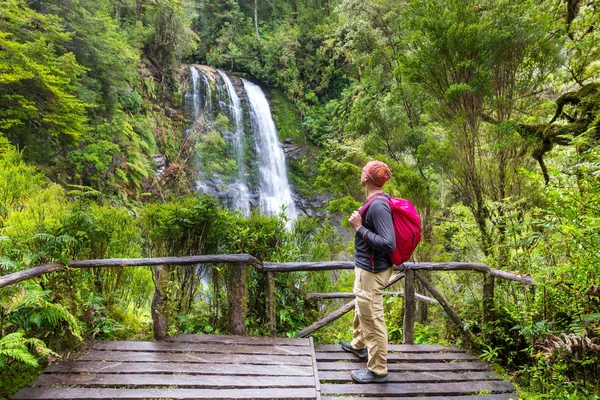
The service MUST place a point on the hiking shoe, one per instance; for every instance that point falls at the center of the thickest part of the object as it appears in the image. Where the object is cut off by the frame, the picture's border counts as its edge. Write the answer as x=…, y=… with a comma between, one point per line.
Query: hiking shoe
x=360, y=353
x=366, y=376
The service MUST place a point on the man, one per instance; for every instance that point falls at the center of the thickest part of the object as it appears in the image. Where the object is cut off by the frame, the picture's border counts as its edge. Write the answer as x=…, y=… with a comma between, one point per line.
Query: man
x=373, y=241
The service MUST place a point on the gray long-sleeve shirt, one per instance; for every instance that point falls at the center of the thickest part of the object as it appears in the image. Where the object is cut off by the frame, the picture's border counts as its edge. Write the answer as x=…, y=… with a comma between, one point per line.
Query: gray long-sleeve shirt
x=375, y=239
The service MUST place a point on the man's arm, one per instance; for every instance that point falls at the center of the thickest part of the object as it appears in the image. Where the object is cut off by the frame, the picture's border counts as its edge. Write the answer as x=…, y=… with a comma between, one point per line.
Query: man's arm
x=384, y=238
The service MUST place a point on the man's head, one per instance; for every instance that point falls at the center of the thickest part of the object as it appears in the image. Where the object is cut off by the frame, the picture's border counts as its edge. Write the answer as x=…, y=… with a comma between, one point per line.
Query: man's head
x=375, y=173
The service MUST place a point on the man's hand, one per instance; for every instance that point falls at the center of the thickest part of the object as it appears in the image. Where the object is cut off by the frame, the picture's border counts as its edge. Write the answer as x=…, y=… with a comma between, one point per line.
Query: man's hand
x=355, y=220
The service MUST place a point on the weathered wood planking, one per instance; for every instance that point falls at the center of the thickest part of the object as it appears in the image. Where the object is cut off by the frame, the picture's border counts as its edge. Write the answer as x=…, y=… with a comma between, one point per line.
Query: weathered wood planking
x=503, y=396
x=99, y=367
x=145, y=356
x=188, y=367
x=179, y=394
x=248, y=340
x=418, y=389
x=409, y=377
x=403, y=348
x=424, y=372
x=392, y=357
x=183, y=381
x=402, y=367
x=172, y=347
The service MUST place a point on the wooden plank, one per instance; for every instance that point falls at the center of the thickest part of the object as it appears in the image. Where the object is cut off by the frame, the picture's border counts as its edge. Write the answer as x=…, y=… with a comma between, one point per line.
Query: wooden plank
x=433, y=366
x=173, y=368
x=503, y=396
x=247, y=340
x=179, y=394
x=407, y=377
x=237, y=296
x=313, y=266
x=143, y=356
x=129, y=262
x=184, y=381
x=392, y=357
x=403, y=348
x=317, y=381
x=418, y=389
x=271, y=303
x=159, y=302
x=350, y=295
x=172, y=347
x=328, y=319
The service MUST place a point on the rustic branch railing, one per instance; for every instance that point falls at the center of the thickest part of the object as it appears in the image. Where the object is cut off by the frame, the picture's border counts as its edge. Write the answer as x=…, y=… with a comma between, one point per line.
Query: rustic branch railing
x=238, y=303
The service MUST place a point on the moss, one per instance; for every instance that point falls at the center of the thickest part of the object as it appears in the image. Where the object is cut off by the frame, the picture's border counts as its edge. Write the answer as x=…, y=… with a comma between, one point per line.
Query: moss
x=16, y=377
x=287, y=117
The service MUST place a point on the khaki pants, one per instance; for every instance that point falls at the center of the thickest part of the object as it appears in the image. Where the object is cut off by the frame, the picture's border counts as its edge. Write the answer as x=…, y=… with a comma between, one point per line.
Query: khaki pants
x=369, y=326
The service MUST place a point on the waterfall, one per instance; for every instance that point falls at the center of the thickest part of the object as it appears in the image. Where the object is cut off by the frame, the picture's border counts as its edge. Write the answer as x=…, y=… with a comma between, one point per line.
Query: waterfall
x=252, y=140
x=201, y=96
x=273, y=183
x=241, y=199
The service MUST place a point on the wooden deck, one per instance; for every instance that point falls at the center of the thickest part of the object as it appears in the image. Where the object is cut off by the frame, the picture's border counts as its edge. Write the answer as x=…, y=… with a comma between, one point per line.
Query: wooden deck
x=185, y=367
x=423, y=372
x=234, y=367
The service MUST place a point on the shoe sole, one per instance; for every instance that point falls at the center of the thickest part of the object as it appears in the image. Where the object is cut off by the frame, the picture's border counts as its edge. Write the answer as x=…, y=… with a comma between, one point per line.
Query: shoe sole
x=356, y=353
x=384, y=380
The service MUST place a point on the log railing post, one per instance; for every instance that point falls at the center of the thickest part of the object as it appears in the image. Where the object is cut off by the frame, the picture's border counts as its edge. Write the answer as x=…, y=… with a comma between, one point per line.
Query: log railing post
x=488, y=298
x=238, y=300
x=271, y=304
x=159, y=302
x=408, y=330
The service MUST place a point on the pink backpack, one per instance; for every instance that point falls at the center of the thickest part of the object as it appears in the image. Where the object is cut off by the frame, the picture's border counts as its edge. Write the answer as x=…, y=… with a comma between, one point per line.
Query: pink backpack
x=407, y=227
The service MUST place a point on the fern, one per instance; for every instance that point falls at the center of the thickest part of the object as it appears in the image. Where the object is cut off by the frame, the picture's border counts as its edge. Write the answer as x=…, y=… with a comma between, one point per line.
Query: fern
x=31, y=306
x=15, y=346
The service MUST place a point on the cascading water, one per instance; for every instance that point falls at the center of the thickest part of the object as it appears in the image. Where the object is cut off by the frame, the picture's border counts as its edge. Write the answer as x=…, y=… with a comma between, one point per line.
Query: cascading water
x=264, y=165
x=274, y=187
x=200, y=97
x=241, y=199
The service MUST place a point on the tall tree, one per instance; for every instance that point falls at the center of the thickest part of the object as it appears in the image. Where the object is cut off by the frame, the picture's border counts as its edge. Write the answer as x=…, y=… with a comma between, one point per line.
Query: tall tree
x=256, y=20
x=477, y=59
x=39, y=79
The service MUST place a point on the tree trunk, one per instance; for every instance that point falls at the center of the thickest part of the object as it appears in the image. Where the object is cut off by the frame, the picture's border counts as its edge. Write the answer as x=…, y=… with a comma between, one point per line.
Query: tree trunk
x=256, y=19
x=138, y=9
x=326, y=7
x=294, y=9
x=488, y=298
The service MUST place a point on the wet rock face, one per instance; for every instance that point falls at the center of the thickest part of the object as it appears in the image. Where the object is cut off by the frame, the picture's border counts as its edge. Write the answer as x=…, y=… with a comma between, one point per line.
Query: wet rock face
x=314, y=206
x=160, y=162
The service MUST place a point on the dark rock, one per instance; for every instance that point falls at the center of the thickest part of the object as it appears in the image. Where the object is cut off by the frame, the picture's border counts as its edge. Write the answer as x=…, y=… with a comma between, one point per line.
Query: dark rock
x=293, y=151
x=160, y=161
x=171, y=112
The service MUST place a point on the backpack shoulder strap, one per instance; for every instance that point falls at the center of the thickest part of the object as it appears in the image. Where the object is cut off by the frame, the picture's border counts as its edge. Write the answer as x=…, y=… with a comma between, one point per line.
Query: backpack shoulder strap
x=362, y=210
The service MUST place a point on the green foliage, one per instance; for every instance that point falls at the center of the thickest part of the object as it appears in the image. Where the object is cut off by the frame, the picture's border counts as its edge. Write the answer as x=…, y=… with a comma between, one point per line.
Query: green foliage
x=38, y=78
x=30, y=310
x=213, y=157
x=172, y=39
x=16, y=347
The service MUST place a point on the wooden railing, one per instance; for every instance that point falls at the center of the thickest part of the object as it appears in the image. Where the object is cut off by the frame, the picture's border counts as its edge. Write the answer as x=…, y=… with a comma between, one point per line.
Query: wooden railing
x=240, y=262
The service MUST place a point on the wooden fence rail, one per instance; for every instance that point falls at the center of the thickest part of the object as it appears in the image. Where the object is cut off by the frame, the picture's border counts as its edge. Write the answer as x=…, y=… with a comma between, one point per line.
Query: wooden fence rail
x=238, y=304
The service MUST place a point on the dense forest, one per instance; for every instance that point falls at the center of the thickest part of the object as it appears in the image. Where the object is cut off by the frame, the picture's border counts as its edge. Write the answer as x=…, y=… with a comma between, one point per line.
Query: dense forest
x=487, y=112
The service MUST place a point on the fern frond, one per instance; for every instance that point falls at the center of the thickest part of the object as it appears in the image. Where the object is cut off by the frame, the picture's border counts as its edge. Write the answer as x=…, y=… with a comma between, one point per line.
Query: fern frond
x=15, y=346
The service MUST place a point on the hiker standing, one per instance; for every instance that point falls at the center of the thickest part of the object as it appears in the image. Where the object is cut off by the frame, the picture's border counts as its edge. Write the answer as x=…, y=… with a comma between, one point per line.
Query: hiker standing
x=373, y=241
